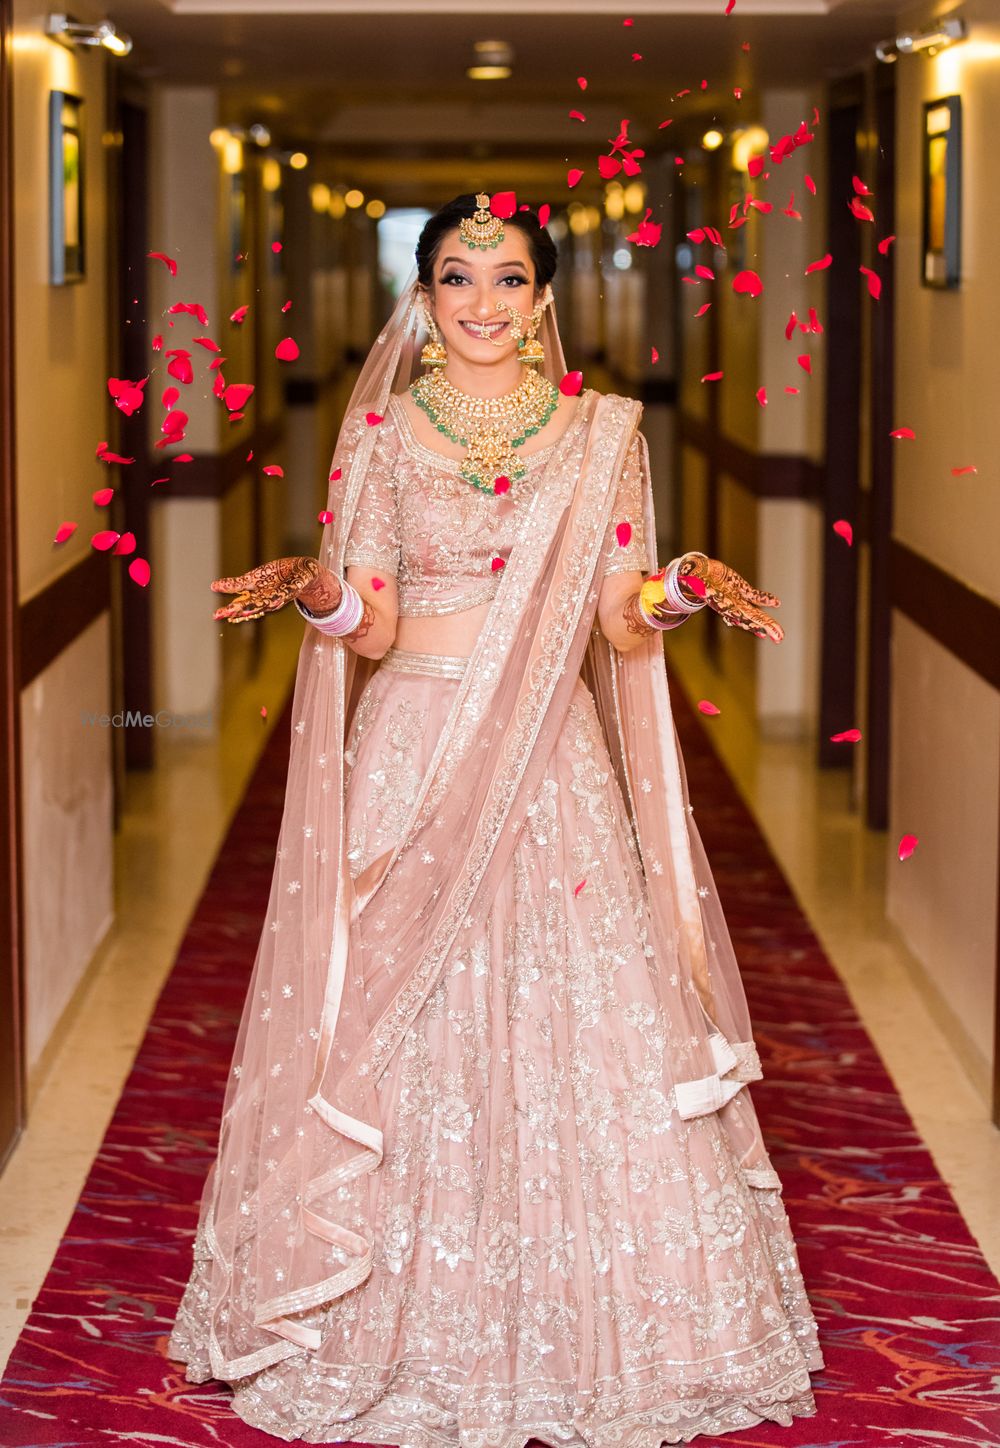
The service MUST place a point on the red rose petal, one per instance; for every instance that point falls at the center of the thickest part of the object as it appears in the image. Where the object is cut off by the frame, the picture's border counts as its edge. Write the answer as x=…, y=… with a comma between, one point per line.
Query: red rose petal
x=570, y=384
x=273, y=471
x=237, y=394
x=157, y=342
x=544, y=212
x=180, y=367
x=654, y=356
x=276, y=246
x=497, y=563
x=907, y=844
x=502, y=485
x=138, y=571
x=572, y=177
x=504, y=204
x=730, y=7
x=373, y=418
x=747, y=283
x=903, y=432
x=194, y=309
x=960, y=472
x=287, y=350
x=711, y=377
x=860, y=210
x=577, y=116
x=805, y=362
x=578, y=888
x=107, y=538
x=810, y=184
x=705, y=272
x=874, y=281
x=324, y=516
x=623, y=532
x=859, y=186
x=820, y=265
x=762, y=396
x=581, y=81
x=849, y=736
x=378, y=583
x=608, y=166
x=885, y=244
x=703, y=309
x=336, y=474
x=125, y=544
x=64, y=531
x=707, y=707
x=239, y=314
x=103, y=497
x=844, y=530
x=168, y=261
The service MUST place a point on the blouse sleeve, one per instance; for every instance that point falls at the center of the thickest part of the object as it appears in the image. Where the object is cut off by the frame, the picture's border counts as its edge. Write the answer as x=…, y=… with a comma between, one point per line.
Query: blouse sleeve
x=373, y=541
x=625, y=542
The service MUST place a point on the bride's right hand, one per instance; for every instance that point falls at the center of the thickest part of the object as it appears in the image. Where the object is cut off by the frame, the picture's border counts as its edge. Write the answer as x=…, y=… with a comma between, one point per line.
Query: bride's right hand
x=266, y=588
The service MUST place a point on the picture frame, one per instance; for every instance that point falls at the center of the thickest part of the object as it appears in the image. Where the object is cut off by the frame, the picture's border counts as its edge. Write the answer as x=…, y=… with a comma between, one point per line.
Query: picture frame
x=941, y=252
x=67, y=203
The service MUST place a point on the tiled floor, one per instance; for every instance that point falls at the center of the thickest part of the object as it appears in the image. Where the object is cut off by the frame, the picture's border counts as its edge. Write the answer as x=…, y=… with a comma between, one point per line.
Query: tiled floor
x=169, y=836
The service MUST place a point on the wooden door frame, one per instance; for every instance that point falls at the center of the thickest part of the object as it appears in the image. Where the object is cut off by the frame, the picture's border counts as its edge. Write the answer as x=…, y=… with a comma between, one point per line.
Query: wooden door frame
x=12, y=1066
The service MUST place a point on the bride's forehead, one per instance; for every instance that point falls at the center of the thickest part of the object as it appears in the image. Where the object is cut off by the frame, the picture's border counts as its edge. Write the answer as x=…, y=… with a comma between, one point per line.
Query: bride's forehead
x=513, y=248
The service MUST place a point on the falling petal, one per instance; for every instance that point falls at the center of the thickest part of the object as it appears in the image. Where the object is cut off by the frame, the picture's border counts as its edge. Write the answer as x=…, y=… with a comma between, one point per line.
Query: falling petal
x=712, y=377
x=497, y=563
x=705, y=306
x=859, y=186
x=814, y=324
x=844, y=530
x=696, y=584
x=168, y=261
x=174, y=422
x=707, y=707
x=755, y=166
x=578, y=888
x=907, y=844
x=762, y=396
x=195, y=309
x=504, y=204
x=792, y=391
x=860, y=210
x=747, y=283
x=207, y=343
x=286, y=307
x=111, y=457
x=960, y=472
x=577, y=116
x=581, y=81
x=169, y=397
x=820, y=265
x=805, y=362
x=240, y=313
x=570, y=385
x=705, y=272
x=180, y=367
x=810, y=184
x=373, y=418
x=273, y=471
x=730, y=7
x=324, y=517
x=157, y=342
x=664, y=124
x=885, y=244
x=544, y=212
x=654, y=356
x=608, y=166
x=572, y=177
x=125, y=544
x=103, y=497
x=162, y=480
x=903, y=432
x=849, y=736
x=107, y=538
x=287, y=350
x=138, y=571
x=874, y=281
x=237, y=394
x=623, y=532
x=648, y=232
x=64, y=531
x=335, y=475
x=378, y=583
x=275, y=246
x=738, y=92
x=502, y=485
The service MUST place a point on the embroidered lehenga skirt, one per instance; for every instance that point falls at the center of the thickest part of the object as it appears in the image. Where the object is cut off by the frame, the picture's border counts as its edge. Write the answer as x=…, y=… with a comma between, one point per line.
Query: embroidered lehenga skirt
x=560, y=1256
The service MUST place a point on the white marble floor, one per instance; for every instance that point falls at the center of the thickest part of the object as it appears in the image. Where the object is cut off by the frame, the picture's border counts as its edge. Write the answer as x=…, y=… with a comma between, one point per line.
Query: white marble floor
x=170, y=833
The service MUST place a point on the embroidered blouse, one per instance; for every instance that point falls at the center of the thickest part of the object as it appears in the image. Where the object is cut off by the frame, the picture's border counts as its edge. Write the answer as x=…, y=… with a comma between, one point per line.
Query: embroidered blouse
x=420, y=521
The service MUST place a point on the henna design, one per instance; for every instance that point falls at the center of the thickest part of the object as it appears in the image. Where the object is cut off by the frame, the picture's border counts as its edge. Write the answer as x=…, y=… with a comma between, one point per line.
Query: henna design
x=634, y=621
x=266, y=588
x=730, y=595
x=367, y=619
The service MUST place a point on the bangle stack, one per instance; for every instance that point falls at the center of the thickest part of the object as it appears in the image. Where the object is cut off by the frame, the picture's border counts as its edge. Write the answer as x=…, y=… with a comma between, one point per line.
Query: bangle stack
x=345, y=617
x=674, y=599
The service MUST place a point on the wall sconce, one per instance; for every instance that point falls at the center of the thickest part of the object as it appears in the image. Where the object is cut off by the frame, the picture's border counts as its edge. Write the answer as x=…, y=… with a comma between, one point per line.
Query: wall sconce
x=494, y=60
x=941, y=34
x=62, y=27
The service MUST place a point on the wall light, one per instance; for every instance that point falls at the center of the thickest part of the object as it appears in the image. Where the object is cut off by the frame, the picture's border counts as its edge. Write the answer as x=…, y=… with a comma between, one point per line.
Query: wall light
x=494, y=60
x=712, y=140
x=319, y=196
x=375, y=209
x=76, y=32
x=941, y=34
x=298, y=160
x=354, y=198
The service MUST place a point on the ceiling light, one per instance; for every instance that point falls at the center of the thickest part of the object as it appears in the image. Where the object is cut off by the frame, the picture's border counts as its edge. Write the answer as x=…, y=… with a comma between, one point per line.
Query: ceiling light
x=319, y=196
x=354, y=198
x=494, y=60
x=298, y=160
x=375, y=209
x=260, y=134
x=712, y=140
x=941, y=34
x=102, y=32
x=489, y=72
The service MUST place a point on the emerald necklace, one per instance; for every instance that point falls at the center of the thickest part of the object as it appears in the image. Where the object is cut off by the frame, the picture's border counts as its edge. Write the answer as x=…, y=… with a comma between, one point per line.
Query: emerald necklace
x=490, y=427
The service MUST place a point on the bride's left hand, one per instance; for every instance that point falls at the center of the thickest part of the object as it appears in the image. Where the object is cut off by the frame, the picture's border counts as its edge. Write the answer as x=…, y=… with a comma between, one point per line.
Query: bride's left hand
x=733, y=597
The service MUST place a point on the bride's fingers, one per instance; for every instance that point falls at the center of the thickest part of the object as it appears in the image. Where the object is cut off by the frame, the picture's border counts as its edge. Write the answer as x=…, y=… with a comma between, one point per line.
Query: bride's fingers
x=229, y=585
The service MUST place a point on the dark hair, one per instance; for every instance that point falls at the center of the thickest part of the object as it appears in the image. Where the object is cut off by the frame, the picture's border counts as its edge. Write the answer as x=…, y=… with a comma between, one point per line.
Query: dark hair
x=543, y=248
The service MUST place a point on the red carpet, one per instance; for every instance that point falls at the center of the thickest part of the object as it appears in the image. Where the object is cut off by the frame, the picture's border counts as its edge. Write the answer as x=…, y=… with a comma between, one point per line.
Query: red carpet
x=909, y=1312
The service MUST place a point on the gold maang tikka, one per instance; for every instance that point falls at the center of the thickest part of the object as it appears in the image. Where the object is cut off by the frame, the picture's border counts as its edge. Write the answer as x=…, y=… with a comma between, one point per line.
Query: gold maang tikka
x=482, y=231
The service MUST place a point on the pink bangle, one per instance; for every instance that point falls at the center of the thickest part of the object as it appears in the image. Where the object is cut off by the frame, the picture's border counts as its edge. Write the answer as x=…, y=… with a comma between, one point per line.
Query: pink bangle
x=345, y=617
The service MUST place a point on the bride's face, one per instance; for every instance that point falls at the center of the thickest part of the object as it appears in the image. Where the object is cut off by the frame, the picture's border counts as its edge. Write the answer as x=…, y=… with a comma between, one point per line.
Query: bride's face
x=466, y=288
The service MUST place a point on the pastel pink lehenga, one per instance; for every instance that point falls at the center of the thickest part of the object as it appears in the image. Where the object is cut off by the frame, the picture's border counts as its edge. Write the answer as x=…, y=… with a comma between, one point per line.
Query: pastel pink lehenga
x=487, y=1169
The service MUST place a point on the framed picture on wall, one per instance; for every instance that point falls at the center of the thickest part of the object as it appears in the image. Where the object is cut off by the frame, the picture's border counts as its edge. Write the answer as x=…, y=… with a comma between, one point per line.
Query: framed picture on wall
x=942, y=193
x=66, y=188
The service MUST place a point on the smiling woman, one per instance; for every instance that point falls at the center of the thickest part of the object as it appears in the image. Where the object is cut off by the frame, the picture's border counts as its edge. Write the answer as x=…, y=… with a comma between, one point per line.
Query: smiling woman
x=487, y=1169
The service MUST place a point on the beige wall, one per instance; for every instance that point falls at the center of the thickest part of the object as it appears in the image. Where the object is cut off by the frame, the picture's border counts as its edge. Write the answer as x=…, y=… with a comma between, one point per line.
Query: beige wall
x=946, y=720
x=62, y=414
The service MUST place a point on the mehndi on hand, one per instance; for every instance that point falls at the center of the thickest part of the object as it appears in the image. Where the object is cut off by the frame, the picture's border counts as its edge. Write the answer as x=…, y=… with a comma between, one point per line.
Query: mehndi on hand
x=732, y=596
x=266, y=588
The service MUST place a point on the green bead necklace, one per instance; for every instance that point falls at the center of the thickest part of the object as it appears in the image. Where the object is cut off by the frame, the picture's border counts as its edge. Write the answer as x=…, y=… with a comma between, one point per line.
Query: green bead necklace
x=489, y=427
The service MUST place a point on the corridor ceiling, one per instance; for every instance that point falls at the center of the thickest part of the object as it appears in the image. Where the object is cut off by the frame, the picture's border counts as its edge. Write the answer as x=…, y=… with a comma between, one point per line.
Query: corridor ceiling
x=385, y=81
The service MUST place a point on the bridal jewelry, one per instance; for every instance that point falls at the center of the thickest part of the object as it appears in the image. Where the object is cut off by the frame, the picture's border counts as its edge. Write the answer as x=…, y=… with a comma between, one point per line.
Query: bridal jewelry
x=483, y=230
x=490, y=427
x=434, y=353
x=530, y=350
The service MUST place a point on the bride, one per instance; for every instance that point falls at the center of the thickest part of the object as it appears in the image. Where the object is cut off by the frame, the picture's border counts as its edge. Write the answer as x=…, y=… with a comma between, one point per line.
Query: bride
x=488, y=1170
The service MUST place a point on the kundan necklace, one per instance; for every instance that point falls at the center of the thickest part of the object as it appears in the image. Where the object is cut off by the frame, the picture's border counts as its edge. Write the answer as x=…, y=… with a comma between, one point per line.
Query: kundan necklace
x=490, y=427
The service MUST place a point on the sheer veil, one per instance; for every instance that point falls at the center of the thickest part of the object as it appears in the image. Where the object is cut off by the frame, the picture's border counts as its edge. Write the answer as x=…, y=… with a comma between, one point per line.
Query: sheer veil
x=287, y=1218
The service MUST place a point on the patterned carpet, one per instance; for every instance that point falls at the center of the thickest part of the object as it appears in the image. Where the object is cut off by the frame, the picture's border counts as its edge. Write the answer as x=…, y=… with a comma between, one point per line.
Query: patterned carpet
x=909, y=1312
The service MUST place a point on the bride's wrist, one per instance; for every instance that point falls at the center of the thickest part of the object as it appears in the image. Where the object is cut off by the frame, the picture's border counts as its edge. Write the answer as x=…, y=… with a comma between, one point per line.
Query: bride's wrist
x=323, y=594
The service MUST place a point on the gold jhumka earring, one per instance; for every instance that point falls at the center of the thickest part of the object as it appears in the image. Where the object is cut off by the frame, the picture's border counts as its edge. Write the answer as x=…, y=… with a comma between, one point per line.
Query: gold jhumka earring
x=434, y=353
